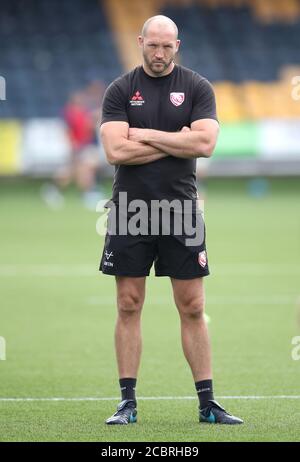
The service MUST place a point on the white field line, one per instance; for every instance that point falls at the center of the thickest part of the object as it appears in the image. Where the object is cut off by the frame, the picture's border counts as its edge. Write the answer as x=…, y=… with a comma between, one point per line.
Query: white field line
x=88, y=270
x=148, y=398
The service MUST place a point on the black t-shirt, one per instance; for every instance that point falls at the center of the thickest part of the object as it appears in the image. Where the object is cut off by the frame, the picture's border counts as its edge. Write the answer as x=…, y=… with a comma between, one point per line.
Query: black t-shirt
x=162, y=103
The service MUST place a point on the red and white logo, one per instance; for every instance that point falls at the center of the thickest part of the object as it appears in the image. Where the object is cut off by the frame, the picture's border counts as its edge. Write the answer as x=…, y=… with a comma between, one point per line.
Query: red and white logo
x=176, y=98
x=202, y=260
x=137, y=99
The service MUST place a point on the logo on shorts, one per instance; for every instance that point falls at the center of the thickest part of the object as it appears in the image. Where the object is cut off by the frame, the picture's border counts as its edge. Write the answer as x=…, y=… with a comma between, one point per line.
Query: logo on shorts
x=137, y=99
x=202, y=260
x=107, y=257
x=176, y=98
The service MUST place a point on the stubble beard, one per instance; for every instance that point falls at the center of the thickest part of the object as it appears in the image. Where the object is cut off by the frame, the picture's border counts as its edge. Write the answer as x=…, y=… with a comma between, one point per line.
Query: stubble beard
x=155, y=69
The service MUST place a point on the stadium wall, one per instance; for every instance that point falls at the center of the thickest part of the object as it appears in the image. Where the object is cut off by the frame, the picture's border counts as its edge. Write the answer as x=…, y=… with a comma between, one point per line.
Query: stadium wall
x=270, y=147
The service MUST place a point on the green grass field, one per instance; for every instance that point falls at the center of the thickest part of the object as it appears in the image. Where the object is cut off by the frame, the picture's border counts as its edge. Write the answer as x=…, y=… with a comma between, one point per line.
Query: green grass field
x=57, y=316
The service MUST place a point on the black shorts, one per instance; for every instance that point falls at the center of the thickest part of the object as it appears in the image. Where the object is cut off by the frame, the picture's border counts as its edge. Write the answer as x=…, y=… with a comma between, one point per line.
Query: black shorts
x=180, y=255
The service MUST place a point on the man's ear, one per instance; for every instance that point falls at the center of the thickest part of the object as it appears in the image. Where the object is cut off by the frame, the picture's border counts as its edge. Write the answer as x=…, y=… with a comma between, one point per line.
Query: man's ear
x=177, y=45
x=140, y=41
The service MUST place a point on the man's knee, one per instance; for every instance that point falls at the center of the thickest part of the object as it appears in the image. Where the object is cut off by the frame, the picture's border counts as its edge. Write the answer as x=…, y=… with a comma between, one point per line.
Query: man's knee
x=191, y=307
x=129, y=304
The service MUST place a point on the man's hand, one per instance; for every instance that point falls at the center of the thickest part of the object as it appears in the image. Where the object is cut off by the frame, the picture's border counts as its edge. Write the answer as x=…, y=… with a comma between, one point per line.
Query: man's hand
x=141, y=135
x=185, y=129
x=197, y=141
x=122, y=151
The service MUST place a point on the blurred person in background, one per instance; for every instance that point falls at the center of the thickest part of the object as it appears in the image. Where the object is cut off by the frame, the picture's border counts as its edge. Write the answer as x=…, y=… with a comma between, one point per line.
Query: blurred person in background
x=81, y=118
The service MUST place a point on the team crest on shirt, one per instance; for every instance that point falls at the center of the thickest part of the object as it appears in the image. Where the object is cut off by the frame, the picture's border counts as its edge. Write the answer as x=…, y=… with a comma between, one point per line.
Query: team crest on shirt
x=202, y=259
x=176, y=98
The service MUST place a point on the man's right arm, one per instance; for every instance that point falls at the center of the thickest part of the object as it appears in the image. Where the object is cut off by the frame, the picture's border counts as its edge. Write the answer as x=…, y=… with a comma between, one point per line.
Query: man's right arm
x=120, y=150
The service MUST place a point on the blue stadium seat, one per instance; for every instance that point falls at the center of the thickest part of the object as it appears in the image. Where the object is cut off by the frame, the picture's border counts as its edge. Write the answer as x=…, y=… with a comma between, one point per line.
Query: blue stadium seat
x=49, y=49
x=228, y=43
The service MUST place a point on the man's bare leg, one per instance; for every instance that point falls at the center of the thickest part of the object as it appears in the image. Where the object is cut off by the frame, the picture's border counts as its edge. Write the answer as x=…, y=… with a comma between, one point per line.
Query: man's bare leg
x=128, y=343
x=128, y=338
x=190, y=300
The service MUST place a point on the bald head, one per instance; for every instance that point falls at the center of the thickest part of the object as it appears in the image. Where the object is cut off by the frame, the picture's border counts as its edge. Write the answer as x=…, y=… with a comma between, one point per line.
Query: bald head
x=159, y=23
x=159, y=44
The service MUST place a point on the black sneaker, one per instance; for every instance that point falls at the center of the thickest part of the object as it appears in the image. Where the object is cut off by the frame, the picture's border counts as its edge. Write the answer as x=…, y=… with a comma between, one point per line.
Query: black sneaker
x=126, y=413
x=214, y=413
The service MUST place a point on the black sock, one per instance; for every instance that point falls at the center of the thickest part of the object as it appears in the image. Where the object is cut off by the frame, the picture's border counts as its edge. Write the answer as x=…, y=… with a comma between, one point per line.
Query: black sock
x=127, y=386
x=205, y=392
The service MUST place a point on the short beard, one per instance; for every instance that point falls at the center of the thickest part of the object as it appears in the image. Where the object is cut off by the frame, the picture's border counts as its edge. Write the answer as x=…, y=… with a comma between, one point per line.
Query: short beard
x=152, y=67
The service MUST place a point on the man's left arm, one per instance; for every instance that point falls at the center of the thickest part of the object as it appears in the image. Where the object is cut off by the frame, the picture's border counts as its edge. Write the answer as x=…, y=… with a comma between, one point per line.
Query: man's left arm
x=198, y=141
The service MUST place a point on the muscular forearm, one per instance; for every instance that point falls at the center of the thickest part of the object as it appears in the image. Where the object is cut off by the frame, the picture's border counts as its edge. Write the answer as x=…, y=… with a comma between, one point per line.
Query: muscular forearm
x=141, y=160
x=133, y=153
x=179, y=144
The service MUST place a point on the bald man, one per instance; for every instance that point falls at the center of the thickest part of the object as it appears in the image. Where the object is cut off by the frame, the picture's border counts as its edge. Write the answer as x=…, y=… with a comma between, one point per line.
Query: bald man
x=156, y=121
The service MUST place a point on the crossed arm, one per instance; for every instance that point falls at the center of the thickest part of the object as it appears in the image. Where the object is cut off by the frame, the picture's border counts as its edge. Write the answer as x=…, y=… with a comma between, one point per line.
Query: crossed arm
x=137, y=146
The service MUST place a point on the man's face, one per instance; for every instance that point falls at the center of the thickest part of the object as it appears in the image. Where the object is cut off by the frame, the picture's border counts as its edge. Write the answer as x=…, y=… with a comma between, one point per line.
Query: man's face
x=159, y=50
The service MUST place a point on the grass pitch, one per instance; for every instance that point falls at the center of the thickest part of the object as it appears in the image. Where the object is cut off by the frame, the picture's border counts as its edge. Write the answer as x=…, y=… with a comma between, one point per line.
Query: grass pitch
x=57, y=316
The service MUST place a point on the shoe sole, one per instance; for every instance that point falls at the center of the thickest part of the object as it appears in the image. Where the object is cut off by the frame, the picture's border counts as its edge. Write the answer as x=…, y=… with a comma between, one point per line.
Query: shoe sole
x=132, y=419
x=220, y=423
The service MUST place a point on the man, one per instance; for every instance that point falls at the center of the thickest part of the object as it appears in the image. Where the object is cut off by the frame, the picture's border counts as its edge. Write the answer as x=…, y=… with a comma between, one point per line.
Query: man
x=156, y=121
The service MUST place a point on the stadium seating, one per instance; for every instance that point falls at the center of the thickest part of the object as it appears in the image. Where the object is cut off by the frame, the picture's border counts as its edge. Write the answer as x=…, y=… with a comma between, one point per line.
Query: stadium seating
x=265, y=10
x=228, y=43
x=246, y=58
x=49, y=49
x=246, y=48
x=126, y=17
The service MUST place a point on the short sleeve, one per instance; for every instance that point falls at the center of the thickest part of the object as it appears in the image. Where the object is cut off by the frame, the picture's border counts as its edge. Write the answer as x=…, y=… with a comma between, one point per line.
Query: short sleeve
x=114, y=104
x=204, y=101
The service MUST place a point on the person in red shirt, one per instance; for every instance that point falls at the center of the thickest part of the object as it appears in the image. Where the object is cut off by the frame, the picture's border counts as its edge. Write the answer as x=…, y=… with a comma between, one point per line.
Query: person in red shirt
x=84, y=161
